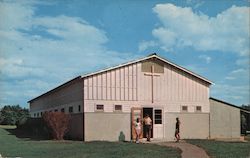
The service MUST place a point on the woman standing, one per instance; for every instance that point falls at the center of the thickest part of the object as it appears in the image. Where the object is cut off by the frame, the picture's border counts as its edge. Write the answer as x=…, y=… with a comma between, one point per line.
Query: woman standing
x=138, y=129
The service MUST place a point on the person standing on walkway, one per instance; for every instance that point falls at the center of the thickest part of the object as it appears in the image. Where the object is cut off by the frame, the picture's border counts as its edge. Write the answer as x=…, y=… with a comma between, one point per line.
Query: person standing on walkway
x=177, y=129
x=148, y=125
x=137, y=129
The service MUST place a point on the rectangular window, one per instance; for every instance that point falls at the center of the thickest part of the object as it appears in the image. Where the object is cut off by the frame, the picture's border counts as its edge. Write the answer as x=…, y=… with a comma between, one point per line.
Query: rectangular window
x=37, y=114
x=158, y=116
x=41, y=113
x=79, y=108
x=71, y=109
x=99, y=107
x=198, y=108
x=55, y=110
x=34, y=114
x=118, y=107
x=184, y=108
x=62, y=110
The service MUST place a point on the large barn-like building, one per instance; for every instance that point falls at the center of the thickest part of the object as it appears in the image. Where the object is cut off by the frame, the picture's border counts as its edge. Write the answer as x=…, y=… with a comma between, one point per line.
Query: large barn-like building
x=105, y=104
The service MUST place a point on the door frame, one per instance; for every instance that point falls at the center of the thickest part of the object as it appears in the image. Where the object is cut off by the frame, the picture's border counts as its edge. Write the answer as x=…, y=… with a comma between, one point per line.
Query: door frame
x=133, y=133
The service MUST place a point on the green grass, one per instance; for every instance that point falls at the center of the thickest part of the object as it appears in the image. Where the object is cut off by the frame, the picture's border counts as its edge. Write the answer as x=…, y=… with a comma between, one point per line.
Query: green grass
x=11, y=146
x=220, y=149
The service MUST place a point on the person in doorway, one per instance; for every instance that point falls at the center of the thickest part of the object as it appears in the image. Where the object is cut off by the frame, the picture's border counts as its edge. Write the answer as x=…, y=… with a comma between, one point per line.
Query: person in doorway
x=137, y=129
x=177, y=129
x=148, y=125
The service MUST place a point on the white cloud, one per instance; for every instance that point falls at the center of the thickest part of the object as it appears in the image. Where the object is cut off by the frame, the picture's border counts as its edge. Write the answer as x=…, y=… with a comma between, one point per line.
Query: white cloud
x=228, y=31
x=206, y=58
x=39, y=52
x=242, y=74
x=238, y=94
x=144, y=45
x=245, y=62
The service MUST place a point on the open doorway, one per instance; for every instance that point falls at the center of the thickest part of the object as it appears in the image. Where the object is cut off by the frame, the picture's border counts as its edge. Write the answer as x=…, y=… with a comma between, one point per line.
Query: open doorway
x=148, y=111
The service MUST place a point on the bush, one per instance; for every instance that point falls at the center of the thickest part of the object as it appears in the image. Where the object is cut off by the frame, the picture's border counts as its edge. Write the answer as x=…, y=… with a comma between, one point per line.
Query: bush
x=58, y=123
x=11, y=115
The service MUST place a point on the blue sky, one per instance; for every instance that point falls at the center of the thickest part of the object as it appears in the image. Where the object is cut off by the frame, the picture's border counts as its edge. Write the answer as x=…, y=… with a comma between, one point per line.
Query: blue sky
x=45, y=43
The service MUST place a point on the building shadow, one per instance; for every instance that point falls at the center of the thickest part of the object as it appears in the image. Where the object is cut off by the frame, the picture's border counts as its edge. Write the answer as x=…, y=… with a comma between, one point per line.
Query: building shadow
x=32, y=129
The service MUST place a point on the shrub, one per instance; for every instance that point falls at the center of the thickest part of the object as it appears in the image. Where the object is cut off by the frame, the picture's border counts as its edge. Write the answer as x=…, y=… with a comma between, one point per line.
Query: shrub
x=58, y=123
x=11, y=114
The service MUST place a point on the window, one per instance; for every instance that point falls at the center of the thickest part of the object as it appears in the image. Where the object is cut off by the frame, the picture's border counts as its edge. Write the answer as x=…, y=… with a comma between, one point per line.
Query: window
x=55, y=110
x=79, y=108
x=184, y=108
x=99, y=107
x=34, y=114
x=118, y=107
x=62, y=110
x=37, y=114
x=41, y=113
x=198, y=108
x=158, y=116
x=71, y=109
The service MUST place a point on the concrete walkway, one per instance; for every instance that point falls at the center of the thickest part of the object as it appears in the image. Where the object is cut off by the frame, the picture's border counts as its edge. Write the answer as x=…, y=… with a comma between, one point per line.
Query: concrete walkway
x=188, y=150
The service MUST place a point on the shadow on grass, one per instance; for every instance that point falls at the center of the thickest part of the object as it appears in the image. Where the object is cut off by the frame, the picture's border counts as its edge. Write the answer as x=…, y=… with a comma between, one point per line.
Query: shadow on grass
x=32, y=129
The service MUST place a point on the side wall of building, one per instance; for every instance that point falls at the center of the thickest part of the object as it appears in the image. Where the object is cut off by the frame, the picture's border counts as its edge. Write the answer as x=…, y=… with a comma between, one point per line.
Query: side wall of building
x=224, y=120
x=70, y=95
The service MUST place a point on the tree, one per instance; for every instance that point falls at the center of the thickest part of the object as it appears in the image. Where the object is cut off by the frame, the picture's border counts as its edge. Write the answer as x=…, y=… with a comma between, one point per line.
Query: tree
x=58, y=123
x=246, y=107
x=13, y=115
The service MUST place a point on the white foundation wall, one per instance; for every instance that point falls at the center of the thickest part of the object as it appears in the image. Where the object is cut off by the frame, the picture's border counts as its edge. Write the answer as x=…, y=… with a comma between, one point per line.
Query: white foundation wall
x=193, y=125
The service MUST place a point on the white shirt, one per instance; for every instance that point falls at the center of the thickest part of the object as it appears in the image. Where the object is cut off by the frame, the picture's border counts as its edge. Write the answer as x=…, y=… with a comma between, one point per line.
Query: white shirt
x=137, y=125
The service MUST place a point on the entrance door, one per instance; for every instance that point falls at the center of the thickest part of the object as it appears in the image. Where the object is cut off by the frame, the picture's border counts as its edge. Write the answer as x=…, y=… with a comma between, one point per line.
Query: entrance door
x=148, y=111
x=158, y=123
x=135, y=113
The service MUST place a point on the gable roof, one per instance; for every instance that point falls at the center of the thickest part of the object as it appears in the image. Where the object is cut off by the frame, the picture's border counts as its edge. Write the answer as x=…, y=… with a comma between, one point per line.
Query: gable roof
x=154, y=55
x=229, y=104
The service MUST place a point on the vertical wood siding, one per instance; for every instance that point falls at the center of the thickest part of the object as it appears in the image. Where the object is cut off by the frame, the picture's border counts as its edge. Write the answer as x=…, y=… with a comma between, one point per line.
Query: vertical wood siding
x=118, y=84
x=129, y=85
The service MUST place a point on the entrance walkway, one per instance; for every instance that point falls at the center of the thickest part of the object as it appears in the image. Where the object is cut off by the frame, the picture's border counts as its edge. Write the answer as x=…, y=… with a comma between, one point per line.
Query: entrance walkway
x=188, y=150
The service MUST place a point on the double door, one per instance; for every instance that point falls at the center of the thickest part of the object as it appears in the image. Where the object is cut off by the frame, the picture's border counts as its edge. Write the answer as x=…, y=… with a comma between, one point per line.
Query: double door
x=155, y=114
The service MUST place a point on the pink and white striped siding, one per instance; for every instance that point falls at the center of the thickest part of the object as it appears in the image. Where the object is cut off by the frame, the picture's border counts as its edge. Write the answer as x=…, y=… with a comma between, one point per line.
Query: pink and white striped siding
x=131, y=87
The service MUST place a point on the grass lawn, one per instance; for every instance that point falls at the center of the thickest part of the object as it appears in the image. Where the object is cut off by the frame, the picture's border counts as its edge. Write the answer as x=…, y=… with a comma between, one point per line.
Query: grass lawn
x=11, y=146
x=220, y=149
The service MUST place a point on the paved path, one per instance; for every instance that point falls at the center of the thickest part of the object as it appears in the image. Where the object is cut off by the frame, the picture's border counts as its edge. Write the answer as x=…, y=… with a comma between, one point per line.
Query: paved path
x=188, y=150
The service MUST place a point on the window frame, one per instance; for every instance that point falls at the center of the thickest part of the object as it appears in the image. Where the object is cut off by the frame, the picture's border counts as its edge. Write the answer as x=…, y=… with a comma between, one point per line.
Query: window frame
x=79, y=108
x=183, y=107
x=99, y=110
x=120, y=110
x=156, y=119
x=198, y=110
x=71, y=109
x=63, y=110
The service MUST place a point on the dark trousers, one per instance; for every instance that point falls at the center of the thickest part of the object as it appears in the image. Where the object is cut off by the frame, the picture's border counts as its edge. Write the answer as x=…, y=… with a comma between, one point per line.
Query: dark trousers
x=148, y=132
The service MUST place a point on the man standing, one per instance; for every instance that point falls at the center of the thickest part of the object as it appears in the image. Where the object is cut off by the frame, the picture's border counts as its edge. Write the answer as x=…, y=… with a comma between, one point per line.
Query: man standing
x=148, y=125
x=177, y=129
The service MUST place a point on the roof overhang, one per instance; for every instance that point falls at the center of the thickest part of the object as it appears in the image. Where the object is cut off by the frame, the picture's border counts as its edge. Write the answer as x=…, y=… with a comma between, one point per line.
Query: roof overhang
x=149, y=57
